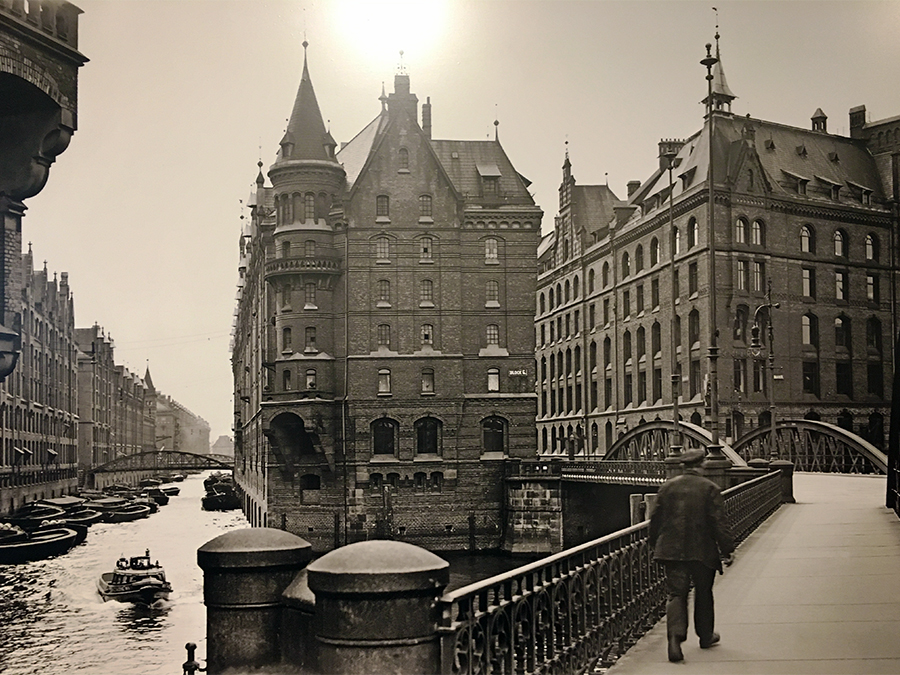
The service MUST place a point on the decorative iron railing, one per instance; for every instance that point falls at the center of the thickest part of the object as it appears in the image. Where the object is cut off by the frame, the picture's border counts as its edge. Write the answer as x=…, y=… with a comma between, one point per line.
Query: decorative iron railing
x=165, y=460
x=614, y=471
x=579, y=608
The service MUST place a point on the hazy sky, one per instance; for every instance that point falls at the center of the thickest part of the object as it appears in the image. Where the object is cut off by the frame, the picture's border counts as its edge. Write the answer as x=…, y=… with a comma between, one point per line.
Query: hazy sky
x=143, y=210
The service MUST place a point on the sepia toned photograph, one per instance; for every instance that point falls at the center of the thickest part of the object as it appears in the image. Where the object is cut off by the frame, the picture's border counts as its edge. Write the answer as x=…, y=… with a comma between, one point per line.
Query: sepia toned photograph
x=431, y=337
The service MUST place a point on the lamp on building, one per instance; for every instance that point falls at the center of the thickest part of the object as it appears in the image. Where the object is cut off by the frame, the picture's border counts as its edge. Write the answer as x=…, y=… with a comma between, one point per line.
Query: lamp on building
x=10, y=344
x=755, y=350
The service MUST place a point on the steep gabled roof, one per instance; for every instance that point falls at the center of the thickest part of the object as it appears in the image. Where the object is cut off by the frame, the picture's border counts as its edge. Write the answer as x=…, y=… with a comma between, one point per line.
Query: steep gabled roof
x=593, y=206
x=466, y=162
x=355, y=153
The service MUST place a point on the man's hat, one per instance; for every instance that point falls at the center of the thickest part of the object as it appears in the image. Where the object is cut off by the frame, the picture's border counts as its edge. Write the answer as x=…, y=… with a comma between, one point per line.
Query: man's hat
x=694, y=456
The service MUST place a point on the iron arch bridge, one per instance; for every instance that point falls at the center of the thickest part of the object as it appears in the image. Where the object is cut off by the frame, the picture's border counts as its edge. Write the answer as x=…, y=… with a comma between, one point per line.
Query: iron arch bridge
x=650, y=442
x=163, y=461
x=814, y=446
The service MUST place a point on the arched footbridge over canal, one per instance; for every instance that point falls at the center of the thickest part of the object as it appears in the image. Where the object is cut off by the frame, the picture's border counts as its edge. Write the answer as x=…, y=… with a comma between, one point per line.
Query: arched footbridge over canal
x=160, y=461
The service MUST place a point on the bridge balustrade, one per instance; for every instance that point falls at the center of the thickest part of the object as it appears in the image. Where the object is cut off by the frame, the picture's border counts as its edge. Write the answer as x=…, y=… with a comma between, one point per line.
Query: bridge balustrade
x=650, y=472
x=578, y=608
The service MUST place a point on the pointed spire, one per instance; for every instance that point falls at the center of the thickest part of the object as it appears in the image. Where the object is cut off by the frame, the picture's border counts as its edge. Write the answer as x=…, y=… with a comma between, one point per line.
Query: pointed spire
x=722, y=95
x=260, y=180
x=148, y=381
x=306, y=137
x=383, y=98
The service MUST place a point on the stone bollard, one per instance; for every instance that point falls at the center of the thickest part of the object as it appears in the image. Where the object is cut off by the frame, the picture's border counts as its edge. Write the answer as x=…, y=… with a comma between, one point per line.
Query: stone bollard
x=244, y=575
x=787, y=479
x=636, y=508
x=376, y=609
x=650, y=504
x=298, y=627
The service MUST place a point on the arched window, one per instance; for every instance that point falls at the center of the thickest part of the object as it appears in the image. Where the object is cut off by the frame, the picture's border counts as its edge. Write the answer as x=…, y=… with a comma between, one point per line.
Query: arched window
x=807, y=239
x=641, y=342
x=654, y=252
x=639, y=258
x=605, y=275
x=693, y=233
x=286, y=384
x=741, y=314
x=626, y=265
x=490, y=250
x=591, y=276
x=873, y=335
x=758, y=233
x=295, y=207
x=626, y=346
x=741, y=231
x=492, y=293
x=575, y=287
x=592, y=356
x=382, y=248
x=550, y=298
x=285, y=339
x=676, y=240
x=309, y=200
x=809, y=329
x=384, y=436
x=694, y=327
x=656, y=338
x=493, y=379
x=428, y=436
x=607, y=352
x=568, y=290
x=425, y=206
x=542, y=303
x=871, y=247
x=311, y=379
x=403, y=158
x=577, y=360
x=493, y=434
x=840, y=244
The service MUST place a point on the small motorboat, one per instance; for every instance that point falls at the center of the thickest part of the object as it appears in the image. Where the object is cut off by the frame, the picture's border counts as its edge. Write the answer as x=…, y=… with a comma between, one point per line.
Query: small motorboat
x=220, y=497
x=81, y=530
x=18, y=546
x=135, y=579
x=171, y=490
x=75, y=511
x=127, y=513
x=178, y=477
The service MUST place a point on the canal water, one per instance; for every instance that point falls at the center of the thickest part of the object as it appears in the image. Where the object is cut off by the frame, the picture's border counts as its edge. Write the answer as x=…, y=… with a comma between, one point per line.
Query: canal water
x=53, y=621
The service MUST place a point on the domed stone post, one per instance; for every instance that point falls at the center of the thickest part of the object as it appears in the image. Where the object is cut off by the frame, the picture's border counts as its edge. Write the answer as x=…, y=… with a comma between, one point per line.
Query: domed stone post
x=376, y=609
x=244, y=574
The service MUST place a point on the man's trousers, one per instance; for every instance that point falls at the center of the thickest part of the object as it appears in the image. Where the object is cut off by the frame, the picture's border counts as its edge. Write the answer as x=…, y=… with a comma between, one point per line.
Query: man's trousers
x=679, y=575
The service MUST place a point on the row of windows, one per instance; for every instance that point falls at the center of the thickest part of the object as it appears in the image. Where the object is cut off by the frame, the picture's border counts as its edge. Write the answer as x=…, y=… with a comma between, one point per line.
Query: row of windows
x=384, y=380
x=383, y=206
x=841, y=285
x=843, y=342
x=746, y=232
x=383, y=249
x=305, y=206
x=843, y=378
x=385, y=434
x=383, y=336
x=426, y=293
x=309, y=249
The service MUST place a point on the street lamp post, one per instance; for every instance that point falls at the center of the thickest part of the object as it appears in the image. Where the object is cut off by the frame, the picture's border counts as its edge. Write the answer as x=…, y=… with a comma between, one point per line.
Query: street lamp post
x=675, y=445
x=756, y=350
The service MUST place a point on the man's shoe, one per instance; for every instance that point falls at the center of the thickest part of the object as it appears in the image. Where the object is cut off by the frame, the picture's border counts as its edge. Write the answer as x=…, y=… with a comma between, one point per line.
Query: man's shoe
x=675, y=654
x=712, y=642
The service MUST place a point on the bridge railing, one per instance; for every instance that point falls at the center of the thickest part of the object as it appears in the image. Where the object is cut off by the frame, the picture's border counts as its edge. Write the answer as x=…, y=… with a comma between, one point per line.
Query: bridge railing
x=616, y=471
x=578, y=608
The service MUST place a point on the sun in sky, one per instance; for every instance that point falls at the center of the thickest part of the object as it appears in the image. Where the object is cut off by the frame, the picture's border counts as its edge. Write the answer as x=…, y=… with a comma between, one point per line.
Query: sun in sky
x=380, y=29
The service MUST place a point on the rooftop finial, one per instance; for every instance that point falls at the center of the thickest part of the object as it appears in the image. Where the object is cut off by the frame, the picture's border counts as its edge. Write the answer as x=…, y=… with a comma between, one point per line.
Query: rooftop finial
x=401, y=69
x=716, y=10
x=567, y=147
x=383, y=98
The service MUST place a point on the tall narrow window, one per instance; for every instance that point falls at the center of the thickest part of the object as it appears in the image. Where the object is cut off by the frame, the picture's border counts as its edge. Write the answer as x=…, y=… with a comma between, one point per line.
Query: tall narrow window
x=840, y=244
x=309, y=205
x=493, y=334
x=694, y=327
x=384, y=293
x=871, y=248
x=426, y=293
x=656, y=339
x=384, y=381
x=403, y=159
x=493, y=379
x=809, y=282
x=626, y=265
x=654, y=252
x=384, y=336
x=604, y=275
x=428, y=381
x=741, y=227
x=759, y=276
x=654, y=293
x=425, y=206
x=310, y=379
x=809, y=328
x=285, y=249
x=285, y=339
x=428, y=436
x=384, y=435
x=693, y=279
x=758, y=233
x=693, y=233
x=842, y=332
x=286, y=384
x=382, y=206
x=490, y=250
x=310, y=293
x=493, y=434
x=492, y=294
x=382, y=249
x=676, y=241
x=310, y=339
x=427, y=334
x=873, y=336
x=872, y=290
x=426, y=245
x=309, y=248
x=807, y=239
x=639, y=259
x=840, y=285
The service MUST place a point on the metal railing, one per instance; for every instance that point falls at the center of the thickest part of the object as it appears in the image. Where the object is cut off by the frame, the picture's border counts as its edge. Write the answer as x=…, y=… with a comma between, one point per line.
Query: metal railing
x=577, y=609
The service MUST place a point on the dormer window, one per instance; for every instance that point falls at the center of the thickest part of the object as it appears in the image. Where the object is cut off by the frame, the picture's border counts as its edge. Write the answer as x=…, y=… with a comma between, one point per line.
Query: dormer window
x=491, y=186
x=490, y=179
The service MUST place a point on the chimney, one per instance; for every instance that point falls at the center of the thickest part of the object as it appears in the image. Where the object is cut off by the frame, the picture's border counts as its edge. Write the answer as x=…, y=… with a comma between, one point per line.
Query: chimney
x=633, y=186
x=667, y=146
x=426, y=117
x=857, y=121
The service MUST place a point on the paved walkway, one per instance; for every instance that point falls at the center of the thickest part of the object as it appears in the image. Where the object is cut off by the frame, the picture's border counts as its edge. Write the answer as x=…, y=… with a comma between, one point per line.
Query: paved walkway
x=815, y=590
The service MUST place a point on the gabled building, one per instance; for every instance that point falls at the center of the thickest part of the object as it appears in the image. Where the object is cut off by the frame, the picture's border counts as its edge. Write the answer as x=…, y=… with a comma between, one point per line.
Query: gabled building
x=383, y=349
x=810, y=212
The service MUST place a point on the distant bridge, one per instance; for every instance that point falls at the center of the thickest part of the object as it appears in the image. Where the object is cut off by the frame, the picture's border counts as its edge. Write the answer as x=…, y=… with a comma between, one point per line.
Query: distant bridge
x=163, y=461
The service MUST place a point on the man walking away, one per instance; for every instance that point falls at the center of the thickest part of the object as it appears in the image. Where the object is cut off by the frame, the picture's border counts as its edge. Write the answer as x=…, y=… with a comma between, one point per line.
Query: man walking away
x=689, y=534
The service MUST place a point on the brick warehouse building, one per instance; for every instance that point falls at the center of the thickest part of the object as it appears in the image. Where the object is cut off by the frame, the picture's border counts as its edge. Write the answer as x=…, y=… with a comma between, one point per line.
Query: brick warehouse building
x=810, y=211
x=383, y=348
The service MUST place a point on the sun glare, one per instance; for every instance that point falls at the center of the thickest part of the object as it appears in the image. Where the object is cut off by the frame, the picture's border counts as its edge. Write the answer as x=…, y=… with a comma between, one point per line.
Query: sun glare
x=380, y=29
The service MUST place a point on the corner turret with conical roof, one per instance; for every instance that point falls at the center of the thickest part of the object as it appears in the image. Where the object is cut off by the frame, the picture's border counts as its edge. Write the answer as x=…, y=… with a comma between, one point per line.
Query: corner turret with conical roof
x=722, y=95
